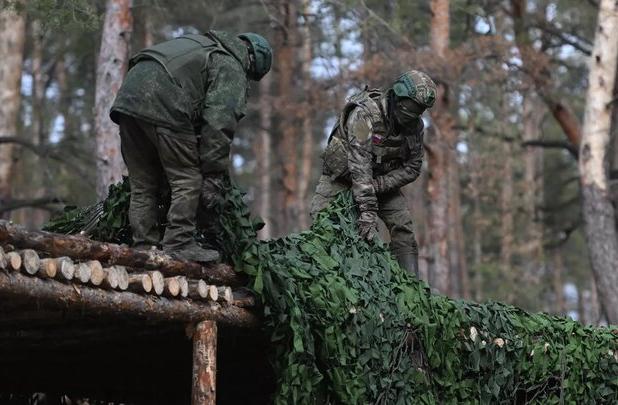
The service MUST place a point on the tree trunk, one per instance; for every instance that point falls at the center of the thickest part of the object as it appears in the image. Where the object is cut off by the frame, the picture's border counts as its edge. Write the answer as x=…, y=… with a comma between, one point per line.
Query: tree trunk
x=263, y=153
x=599, y=214
x=507, y=221
x=111, y=67
x=442, y=139
x=12, y=36
x=440, y=26
x=533, y=189
x=97, y=301
x=288, y=144
x=307, y=113
x=558, y=282
x=204, y=364
x=477, y=222
x=78, y=247
x=541, y=75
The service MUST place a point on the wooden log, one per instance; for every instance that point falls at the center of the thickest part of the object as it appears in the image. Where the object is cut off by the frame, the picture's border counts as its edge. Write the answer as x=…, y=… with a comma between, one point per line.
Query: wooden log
x=225, y=294
x=204, y=364
x=30, y=261
x=97, y=275
x=83, y=272
x=14, y=261
x=3, y=262
x=198, y=289
x=213, y=292
x=48, y=268
x=244, y=298
x=172, y=287
x=82, y=248
x=184, y=286
x=66, y=267
x=123, y=277
x=96, y=301
x=158, y=282
x=140, y=283
x=111, y=278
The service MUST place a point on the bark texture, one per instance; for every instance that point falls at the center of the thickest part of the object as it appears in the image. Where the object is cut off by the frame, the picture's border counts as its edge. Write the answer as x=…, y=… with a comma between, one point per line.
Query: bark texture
x=443, y=138
x=288, y=144
x=204, y=364
x=263, y=152
x=307, y=127
x=12, y=36
x=78, y=247
x=97, y=301
x=599, y=213
x=111, y=67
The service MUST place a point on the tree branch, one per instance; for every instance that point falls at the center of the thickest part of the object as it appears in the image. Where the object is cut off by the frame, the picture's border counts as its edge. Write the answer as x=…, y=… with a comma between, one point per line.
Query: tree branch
x=45, y=152
x=553, y=145
x=42, y=202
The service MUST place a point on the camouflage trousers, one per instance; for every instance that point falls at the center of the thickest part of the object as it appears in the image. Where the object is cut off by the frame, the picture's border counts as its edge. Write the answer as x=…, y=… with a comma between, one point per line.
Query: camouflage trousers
x=154, y=157
x=392, y=210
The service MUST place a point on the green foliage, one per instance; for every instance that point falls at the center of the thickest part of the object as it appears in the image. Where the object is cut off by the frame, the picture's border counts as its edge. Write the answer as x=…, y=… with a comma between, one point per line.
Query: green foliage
x=105, y=221
x=348, y=325
x=59, y=14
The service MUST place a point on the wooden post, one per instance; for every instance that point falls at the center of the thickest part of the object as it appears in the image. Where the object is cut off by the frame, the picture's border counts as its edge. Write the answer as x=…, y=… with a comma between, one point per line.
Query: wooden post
x=204, y=364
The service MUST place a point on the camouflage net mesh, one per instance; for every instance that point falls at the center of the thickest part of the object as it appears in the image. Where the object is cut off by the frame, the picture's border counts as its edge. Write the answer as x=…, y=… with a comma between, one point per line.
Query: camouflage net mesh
x=348, y=325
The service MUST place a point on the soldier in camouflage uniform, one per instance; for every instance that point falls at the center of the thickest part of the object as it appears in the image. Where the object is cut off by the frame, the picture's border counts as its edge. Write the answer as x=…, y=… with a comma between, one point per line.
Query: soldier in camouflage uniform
x=376, y=147
x=178, y=108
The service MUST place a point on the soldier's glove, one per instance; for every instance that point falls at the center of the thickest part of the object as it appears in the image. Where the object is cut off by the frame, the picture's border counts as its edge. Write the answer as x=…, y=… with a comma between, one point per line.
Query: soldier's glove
x=368, y=225
x=213, y=189
x=378, y=185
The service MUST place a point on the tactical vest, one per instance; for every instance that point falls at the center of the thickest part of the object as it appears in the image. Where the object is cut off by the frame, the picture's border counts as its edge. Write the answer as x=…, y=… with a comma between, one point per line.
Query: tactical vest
x=389, y=149
x=184, y=59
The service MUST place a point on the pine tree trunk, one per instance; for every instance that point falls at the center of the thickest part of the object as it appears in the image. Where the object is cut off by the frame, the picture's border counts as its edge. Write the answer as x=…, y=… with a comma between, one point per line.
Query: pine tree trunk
x=507, y=221
x=477, y=243
x=533, y=189
x=442, y=139
x=558, y=282
x=307, y=143
x=289, y=141
x=599, y=214
x=111, y=67
x=263, y=153
x=12, y=36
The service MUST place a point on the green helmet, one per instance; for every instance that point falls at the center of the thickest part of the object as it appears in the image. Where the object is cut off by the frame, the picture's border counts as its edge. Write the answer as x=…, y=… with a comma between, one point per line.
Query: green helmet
x=262, y=54
x=417, y=86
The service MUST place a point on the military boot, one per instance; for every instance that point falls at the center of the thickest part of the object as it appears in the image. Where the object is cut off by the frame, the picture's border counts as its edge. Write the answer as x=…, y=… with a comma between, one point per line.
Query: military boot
x=409, y=262
x=195, y=253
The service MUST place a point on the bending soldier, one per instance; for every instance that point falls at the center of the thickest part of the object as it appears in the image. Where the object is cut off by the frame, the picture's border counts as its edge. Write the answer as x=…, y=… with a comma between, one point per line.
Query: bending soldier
x=375, y=148
x=178, y=108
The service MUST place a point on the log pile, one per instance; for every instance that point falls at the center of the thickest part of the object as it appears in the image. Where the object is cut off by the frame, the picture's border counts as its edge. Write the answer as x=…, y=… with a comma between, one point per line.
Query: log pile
x=50, y=266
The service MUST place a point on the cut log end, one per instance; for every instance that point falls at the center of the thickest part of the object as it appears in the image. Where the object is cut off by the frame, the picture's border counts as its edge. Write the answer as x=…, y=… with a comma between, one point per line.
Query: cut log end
x=225, y=294
x=97, y=275
x=48, y=268
x=158, y=282
x=140, y=283
x=172, y=286
x=14, y=261
x=30, y=261
x=83, y=272
x=111, y=278
x=66, y=267
x=123, y=277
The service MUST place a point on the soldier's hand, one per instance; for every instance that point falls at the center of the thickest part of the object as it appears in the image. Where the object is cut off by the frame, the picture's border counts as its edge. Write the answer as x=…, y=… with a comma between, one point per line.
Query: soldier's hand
x=378, y=185
x=368, y=225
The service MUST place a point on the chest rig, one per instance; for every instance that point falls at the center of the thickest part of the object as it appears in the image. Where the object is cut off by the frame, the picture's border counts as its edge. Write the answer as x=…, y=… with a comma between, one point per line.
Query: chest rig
x=389, y=147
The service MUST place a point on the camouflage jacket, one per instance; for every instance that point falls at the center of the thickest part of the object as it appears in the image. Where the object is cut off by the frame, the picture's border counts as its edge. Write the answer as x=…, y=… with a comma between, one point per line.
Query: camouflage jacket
x=363, y=150
x=193, y=84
